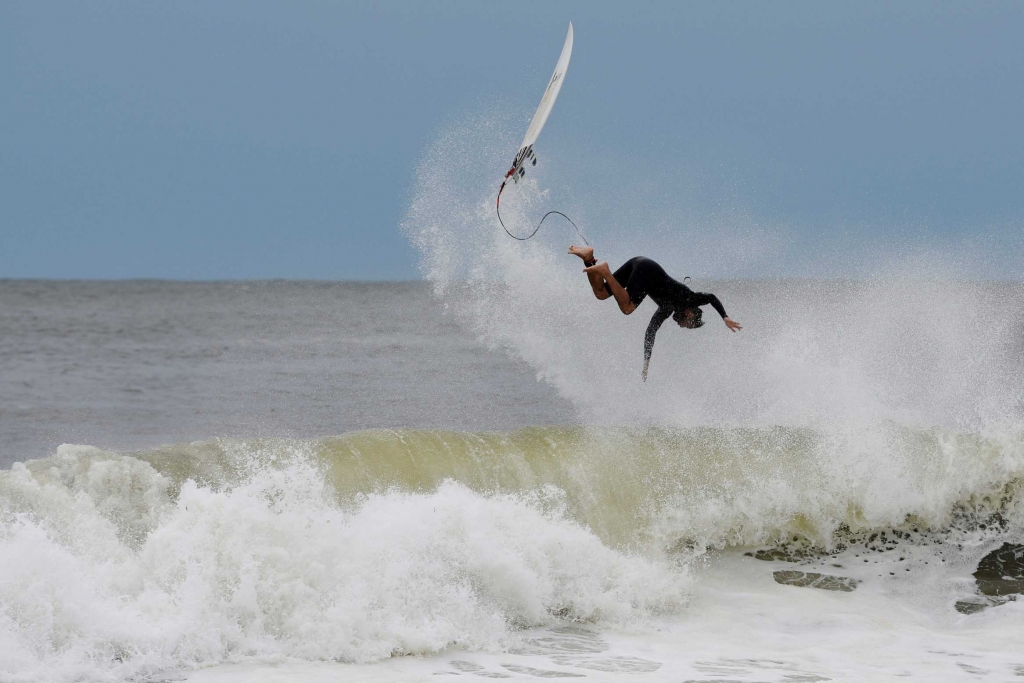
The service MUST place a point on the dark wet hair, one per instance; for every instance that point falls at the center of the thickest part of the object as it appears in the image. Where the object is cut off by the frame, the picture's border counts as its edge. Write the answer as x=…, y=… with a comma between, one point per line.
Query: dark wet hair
x=697, y=322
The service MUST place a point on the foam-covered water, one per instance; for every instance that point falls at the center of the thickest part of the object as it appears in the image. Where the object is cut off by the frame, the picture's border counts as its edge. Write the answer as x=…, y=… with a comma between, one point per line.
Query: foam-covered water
x=571, y=550
x=113, y=568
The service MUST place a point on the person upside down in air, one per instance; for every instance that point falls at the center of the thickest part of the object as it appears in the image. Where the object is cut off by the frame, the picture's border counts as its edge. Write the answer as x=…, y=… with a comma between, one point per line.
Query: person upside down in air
x=640, y=277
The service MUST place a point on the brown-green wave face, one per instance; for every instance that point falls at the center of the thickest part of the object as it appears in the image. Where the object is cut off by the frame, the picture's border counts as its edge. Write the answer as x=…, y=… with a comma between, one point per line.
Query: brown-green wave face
x=652, y=488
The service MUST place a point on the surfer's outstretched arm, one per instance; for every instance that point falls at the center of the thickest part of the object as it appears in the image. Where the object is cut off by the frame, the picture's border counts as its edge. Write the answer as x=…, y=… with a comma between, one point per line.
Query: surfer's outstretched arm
x=701, y=299
x=659, y=317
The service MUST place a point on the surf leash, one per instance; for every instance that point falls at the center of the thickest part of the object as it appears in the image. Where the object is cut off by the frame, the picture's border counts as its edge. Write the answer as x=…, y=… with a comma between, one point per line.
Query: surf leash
x=497, y=208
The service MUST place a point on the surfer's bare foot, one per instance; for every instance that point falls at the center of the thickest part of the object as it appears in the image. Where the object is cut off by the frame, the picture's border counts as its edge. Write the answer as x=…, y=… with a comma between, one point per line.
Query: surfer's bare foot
x=585, y=253
x=599, y=268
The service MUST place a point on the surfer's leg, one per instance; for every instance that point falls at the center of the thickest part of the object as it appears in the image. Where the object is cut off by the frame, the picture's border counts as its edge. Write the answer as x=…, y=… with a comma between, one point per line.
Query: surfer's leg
x=596, y=281
x=612, y=285
x=585, y=253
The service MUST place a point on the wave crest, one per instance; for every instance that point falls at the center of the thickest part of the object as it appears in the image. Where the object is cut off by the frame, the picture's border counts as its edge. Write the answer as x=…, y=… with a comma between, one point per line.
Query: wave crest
x=124, y=566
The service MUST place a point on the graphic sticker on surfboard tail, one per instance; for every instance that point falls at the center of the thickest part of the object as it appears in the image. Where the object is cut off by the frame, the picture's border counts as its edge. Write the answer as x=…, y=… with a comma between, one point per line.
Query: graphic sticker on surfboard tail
x=547, y=102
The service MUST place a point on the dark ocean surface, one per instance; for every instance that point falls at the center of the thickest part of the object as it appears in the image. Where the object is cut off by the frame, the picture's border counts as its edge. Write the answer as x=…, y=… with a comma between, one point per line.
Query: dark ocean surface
x=135, y=364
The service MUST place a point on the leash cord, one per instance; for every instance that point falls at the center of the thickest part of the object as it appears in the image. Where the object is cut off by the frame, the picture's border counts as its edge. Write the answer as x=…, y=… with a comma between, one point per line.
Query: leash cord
x=523, y=239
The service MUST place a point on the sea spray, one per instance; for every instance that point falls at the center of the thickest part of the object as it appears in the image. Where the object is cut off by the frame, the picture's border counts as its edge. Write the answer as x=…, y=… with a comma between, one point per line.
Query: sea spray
x=921, y=341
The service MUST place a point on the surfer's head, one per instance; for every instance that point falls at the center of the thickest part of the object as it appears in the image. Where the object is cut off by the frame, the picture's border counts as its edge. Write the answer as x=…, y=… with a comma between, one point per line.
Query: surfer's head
x=688, y=318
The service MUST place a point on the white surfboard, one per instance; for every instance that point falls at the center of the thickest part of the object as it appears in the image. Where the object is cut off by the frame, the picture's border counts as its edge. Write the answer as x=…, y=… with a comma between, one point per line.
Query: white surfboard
x=547, y=102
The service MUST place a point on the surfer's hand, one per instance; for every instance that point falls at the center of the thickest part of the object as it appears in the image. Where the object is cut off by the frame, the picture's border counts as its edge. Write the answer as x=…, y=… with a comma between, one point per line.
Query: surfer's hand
x=733, y=325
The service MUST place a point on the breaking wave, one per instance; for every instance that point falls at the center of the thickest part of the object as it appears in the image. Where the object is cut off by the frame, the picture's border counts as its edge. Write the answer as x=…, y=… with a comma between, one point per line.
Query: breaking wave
x=377, y=543
x=115, y=566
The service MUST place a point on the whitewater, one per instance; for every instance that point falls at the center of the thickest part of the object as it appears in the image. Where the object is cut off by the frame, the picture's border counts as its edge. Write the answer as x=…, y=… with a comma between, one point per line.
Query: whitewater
x=467, y=479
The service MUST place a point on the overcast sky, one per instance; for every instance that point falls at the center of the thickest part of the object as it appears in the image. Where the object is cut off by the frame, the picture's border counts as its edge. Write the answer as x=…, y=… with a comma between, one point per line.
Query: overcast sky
x=213, y=140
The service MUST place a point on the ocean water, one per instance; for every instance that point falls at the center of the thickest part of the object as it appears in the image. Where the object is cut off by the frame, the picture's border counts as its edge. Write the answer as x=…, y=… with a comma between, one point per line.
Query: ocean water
x=234, y=482
x=466, y=479
x=133, y=364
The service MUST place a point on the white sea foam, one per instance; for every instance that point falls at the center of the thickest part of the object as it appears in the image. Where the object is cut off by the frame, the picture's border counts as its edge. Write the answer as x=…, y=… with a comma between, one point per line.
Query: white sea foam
x=104, y=574
x=363, y=547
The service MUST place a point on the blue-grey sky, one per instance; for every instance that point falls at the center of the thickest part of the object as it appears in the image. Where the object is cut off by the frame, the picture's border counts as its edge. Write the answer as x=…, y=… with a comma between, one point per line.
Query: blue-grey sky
x=225, y=139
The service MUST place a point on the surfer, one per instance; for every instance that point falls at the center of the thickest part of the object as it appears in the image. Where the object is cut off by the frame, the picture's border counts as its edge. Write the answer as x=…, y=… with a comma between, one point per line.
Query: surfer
x=640, y=277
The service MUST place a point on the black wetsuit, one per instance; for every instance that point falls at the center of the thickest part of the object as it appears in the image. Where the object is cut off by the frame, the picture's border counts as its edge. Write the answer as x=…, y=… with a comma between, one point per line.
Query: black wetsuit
x=641, y=277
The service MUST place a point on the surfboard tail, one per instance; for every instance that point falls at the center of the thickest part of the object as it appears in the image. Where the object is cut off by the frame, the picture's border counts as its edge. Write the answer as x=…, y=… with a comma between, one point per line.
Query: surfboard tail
x=525, y=155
